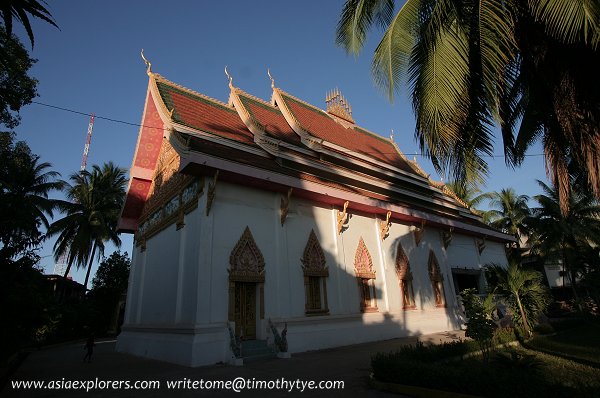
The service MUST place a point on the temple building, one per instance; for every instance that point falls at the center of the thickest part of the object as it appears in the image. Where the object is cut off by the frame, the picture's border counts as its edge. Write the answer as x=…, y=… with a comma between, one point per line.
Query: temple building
x=252, y=212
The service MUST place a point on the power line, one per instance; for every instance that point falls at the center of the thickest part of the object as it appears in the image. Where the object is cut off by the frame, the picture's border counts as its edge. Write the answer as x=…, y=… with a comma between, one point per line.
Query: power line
x=161, y=128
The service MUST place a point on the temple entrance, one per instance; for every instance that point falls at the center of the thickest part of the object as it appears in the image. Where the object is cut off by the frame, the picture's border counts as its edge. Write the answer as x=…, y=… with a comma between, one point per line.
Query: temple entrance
x=245, y=310
x=246, y=289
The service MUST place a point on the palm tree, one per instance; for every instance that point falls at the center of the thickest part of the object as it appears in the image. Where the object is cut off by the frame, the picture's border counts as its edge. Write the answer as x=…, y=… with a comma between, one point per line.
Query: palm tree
x=19, y=9
x=24, y=203
x=509, y=213
x=561, y=235
x=470, y=195
x=91, y=218
x=523, y=290
x=475, y=64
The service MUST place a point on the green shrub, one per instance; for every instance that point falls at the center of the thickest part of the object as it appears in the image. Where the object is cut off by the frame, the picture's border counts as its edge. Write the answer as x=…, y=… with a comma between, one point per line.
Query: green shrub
x=543, y=328
x=503, y=336
x=479, y=326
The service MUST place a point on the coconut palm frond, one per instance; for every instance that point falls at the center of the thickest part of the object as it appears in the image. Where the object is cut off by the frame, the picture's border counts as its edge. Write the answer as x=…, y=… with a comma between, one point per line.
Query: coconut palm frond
x=569, y=21
x=358, y=16
x=392, y=55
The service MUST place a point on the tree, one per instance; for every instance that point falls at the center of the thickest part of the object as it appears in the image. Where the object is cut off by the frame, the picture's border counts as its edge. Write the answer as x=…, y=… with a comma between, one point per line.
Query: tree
x=480, y=326
x=475, y=64
x=19, y=9
x=109, y=283
x=91, y=218
x=523, y=290
x=509, y=213
x=112, y=274
x=17, y=88
x=25, y=208
x=565, y=235
x=24, y=203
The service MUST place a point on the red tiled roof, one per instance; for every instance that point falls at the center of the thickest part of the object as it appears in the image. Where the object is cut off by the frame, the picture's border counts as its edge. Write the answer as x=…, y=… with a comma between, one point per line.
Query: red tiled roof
x=204, y=114
x=322, y=126
x=271, y=118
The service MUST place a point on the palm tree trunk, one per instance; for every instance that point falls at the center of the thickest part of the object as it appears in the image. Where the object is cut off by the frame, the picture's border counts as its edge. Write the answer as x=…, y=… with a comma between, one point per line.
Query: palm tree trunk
x=523, y=316
x=64, y=282
x=87, y=275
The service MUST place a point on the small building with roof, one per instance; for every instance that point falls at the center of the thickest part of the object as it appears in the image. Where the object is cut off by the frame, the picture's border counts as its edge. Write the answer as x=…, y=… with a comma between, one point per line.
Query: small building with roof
x=256, y=215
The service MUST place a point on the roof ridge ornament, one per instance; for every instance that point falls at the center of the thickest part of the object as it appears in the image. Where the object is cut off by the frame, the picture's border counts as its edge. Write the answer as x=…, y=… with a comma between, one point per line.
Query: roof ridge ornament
x=148, y=63
x=392, y=136
x=272, y=80
x=337, y=105
x=230, y=78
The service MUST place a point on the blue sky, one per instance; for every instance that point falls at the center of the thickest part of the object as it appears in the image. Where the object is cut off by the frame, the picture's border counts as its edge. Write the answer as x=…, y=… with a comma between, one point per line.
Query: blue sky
x=92, y=64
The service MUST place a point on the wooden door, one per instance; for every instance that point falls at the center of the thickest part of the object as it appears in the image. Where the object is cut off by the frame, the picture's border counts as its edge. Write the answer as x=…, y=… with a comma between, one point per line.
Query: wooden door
x=245, y=310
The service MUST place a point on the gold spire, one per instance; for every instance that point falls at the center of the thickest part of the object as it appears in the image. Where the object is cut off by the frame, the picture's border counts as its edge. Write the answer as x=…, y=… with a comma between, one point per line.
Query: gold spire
x=271, y=77
x=230, y=78
x=148, y=63
x=338, y=105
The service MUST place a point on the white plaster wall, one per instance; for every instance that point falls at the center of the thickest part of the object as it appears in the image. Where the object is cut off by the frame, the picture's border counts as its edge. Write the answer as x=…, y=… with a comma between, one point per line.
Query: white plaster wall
x=189, y=268
x=177, y=308
x=463, y=253
x=494, y=253
x=160, y=278
x=133, y=287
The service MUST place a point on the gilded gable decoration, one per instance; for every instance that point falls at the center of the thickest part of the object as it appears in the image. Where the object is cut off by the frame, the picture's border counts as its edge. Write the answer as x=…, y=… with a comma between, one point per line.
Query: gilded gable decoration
x=171, y=196
x=418, y=232
x=437, y=280
x=384, y=226
x=447, y=237
x=148, y=63
x=271, y=77
x=480, y=245
x=229, y=78
x=313, y=260
x=210, y=196
x=405, y=278
x=285, y=206
x=342, y=218
x=363, y=263
x=246, y=260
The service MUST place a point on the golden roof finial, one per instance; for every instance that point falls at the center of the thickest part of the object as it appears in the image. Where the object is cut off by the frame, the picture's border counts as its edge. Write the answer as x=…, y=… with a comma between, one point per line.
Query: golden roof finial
x=271, y=77
x=148, y=63
x=338, y=105
x=230, y=78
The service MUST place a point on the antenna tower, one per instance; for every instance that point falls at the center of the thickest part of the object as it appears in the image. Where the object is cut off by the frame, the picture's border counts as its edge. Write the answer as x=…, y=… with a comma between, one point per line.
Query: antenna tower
x=88, y=140
x=61, y=265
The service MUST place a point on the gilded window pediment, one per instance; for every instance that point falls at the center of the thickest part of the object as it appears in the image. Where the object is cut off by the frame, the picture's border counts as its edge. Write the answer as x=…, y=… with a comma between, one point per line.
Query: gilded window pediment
x=246, y=260
x=313, y=260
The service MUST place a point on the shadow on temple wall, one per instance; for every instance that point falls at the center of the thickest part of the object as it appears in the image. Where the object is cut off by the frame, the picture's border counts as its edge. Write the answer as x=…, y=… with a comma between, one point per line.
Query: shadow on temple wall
x=349, y=294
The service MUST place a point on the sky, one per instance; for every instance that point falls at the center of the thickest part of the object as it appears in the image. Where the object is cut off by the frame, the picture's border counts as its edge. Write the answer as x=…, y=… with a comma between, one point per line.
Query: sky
x=92, y=64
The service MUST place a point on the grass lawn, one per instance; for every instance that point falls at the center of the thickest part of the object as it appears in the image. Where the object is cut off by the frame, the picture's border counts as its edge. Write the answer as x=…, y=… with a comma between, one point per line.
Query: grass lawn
x=511, y=372
x=582, y=342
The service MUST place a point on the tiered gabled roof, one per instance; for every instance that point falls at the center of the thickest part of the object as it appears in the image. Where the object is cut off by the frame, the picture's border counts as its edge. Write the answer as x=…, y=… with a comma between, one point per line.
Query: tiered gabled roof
x=268, y=117
x=200, y=112
x=285, y=143
x=321, y=126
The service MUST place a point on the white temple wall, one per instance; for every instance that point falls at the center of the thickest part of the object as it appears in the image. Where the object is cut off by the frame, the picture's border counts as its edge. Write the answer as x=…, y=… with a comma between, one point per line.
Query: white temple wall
x=189, y=269
x=177, y=308
x=159, y=296
x=494, y=253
